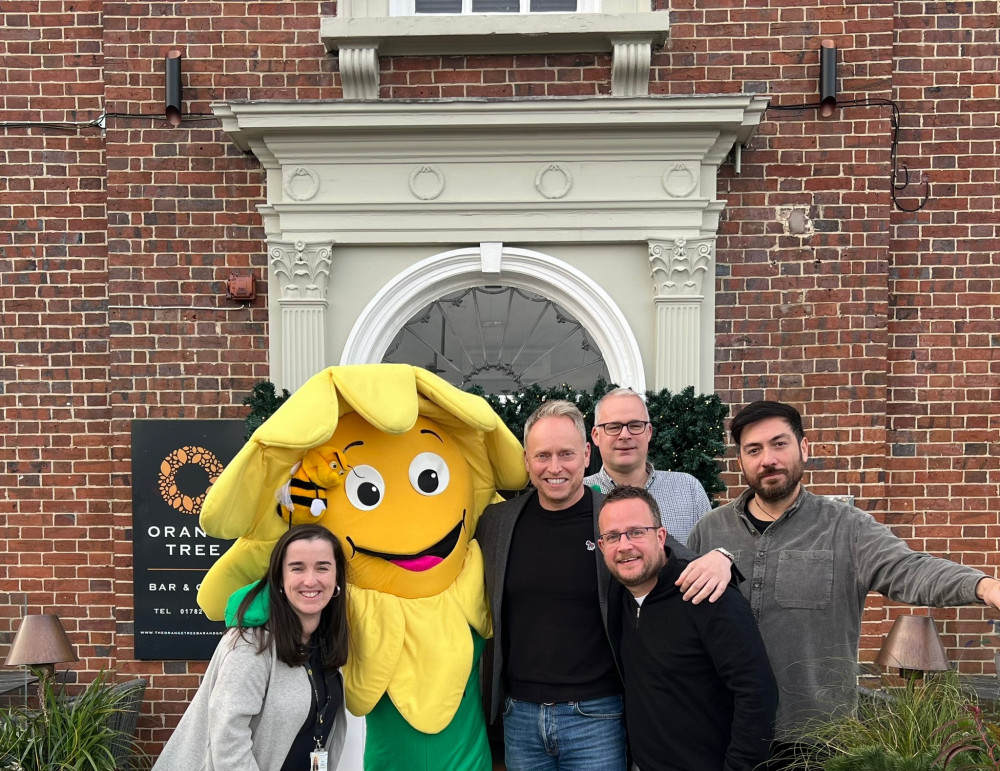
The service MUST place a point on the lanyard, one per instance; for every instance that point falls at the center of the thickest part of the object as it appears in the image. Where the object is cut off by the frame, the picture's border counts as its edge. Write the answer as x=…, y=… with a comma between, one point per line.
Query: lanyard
x=320, y=713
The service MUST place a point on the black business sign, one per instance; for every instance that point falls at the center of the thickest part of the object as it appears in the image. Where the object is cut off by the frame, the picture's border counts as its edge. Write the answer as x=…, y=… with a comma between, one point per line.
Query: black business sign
x=173, y=463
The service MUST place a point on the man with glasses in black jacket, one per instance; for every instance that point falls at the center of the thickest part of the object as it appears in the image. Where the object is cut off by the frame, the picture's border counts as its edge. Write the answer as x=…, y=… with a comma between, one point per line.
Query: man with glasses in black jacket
x=699, y=692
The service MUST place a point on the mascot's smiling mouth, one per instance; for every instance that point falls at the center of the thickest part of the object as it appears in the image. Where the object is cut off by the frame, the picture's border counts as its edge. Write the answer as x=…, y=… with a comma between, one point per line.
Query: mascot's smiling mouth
x=420, y=561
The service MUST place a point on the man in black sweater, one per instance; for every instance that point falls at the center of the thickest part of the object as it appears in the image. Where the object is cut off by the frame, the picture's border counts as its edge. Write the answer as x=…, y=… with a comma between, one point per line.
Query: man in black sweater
x=699, y=691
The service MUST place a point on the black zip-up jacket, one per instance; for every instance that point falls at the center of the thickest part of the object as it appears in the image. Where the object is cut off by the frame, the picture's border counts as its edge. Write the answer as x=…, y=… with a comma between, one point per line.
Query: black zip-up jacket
x=699, y=691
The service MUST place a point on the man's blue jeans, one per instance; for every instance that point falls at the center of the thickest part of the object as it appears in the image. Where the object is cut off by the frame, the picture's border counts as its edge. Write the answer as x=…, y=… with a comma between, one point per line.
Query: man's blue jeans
x=571, y=736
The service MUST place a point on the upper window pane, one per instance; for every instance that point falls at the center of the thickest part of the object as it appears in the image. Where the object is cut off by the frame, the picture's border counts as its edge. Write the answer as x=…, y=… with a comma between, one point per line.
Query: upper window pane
x=438, y=6
x=550, y=6
x=501, y=338
x=497, y=6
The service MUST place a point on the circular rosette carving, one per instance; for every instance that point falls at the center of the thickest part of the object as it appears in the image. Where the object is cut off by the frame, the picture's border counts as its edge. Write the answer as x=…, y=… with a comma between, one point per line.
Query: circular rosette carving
x=553, y=180
x=679, y=181
x=302, y=184
x=426, y=182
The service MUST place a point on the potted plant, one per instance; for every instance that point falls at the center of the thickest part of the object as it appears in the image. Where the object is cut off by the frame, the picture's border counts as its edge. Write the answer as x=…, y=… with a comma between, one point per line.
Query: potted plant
x=67, y=734
x=970, y=743
x=923, y=725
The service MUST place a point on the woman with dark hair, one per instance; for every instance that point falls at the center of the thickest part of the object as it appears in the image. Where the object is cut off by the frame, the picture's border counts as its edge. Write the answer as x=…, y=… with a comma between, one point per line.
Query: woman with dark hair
x=273, y=698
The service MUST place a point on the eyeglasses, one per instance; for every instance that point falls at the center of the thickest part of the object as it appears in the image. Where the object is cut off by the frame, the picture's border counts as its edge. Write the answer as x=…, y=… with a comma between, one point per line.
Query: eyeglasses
x=632, y=534
x=634, y=427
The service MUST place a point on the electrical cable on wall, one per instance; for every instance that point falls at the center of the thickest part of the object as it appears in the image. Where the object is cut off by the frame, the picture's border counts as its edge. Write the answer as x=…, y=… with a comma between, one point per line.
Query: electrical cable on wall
x=894, y=186
x=98, y=122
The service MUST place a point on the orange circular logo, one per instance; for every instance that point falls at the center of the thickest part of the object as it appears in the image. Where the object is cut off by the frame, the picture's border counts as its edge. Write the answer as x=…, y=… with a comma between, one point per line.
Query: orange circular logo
x=184, y=456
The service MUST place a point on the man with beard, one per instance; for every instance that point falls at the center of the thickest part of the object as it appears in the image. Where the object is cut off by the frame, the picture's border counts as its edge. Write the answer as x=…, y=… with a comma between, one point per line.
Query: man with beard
x=699, y=693
x=809, y=562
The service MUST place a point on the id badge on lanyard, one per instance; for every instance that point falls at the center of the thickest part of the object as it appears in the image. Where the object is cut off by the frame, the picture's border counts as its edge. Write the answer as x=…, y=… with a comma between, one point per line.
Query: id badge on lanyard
x=318, y=760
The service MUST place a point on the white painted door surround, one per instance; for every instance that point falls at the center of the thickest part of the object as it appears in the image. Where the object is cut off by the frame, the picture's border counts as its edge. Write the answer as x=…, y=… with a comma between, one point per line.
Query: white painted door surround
x=476, y=189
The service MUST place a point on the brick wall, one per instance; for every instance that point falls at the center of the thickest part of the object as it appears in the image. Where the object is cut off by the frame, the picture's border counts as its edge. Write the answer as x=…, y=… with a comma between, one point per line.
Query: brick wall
x=57, y=531
x=181, y=218
x=943, y=458
x=881, y=325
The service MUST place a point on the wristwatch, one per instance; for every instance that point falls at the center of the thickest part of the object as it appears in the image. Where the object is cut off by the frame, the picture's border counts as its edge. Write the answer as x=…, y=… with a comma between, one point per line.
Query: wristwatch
x=725, y=553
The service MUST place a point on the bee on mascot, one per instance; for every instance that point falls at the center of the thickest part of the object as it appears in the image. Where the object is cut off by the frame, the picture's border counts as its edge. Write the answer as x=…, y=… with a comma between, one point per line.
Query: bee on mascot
x=399, y=464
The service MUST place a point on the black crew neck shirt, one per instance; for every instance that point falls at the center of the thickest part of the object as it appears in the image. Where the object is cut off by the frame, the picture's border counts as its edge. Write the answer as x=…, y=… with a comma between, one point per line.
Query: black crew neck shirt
x=556, y=648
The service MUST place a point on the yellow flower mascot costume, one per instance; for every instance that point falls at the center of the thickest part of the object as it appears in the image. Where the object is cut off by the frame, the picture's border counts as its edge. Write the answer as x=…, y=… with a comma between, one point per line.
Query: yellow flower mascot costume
x=399, y=465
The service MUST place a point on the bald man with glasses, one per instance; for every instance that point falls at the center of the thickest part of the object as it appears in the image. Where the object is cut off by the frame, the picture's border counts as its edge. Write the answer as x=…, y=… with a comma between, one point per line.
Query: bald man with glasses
x=622, y=432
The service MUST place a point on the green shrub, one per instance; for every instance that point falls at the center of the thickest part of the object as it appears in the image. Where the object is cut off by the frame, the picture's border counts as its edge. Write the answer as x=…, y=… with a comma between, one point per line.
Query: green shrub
x=263, y=402
x=688, y=435
x=514, y=409
x=66, y=734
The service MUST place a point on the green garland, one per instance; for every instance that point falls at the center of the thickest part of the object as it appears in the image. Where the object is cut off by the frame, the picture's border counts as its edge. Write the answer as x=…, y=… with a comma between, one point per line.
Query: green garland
x=688, y=429
x=263, y=402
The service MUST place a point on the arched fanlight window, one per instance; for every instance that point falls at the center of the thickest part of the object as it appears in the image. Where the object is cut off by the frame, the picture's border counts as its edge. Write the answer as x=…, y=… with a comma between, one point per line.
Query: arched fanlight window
x=501, y=338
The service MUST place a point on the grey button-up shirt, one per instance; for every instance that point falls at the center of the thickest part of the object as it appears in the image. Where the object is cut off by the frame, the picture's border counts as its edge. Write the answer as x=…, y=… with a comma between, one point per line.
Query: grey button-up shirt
x=680, y=496
x=807, y=578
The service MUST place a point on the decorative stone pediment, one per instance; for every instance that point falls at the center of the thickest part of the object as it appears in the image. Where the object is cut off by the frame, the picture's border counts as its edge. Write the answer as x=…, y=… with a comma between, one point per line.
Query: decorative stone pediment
x=589, y=171
x=602, y=169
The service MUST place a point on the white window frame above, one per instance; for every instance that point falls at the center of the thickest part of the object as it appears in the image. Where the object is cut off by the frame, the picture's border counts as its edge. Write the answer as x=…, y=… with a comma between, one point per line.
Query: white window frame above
x=365, y=30
x=427, y=280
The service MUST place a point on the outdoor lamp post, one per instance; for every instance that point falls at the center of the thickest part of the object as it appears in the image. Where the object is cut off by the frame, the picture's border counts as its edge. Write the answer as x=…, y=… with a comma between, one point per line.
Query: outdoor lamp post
x=913, y=647
x=40, y=644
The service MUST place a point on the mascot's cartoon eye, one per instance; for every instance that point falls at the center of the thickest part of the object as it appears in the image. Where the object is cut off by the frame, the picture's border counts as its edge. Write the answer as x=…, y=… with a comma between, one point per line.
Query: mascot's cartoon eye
x=364, y=488
x=429, y=474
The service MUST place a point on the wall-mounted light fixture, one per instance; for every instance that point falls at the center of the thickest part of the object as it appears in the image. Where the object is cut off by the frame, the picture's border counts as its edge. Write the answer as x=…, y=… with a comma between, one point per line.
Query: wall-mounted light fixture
x=174, y=95
x=827, y=78
x=241, y=288
x=828, y=105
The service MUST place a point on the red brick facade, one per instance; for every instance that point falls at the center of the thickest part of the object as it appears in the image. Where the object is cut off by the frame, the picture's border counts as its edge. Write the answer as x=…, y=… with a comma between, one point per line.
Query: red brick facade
x=116, y=239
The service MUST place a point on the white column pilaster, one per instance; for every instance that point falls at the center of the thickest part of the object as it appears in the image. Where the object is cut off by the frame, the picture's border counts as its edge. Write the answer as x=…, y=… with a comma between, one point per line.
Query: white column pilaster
x=679, y=268
x=302, y=273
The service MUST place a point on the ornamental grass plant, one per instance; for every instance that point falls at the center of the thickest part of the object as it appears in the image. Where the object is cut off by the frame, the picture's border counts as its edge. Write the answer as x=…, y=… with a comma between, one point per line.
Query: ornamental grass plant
x=924, y=725
x=64, y=734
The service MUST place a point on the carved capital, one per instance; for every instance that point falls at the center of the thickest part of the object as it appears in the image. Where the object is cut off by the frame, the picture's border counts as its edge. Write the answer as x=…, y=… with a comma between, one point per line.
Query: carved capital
x=302, y=270
x=678, y=268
